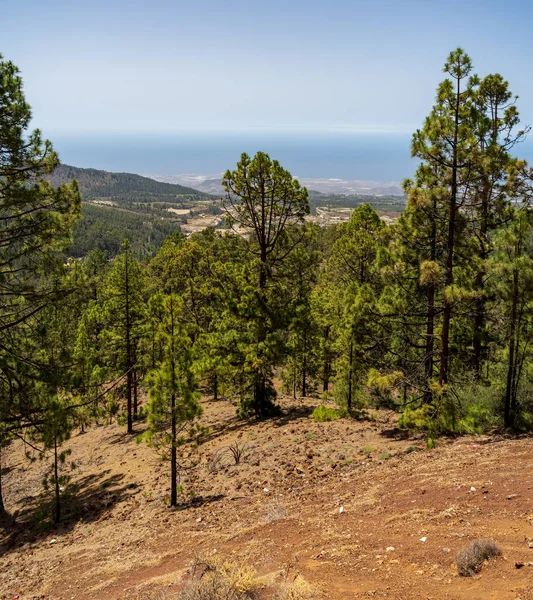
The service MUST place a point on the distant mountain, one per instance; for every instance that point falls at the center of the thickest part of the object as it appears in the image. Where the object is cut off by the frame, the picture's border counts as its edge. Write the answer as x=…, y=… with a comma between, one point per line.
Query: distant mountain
x=210, y=184
x=123, y=187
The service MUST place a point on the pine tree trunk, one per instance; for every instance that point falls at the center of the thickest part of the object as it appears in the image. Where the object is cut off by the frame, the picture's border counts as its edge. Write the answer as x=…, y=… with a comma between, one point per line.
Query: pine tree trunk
x=260, y=395
x=304, y=368
x=452, y=214
x=173, y=450
x=430, y=325
x=294, y=375
x=2, y=506
x=57, y=516
x=260, y=384
x=326, y=367
x=479, y=315
x=215, y=386
x=509, y=416
x=128, y=348
x=350, y=377
x=173, y=456
x=135, y=394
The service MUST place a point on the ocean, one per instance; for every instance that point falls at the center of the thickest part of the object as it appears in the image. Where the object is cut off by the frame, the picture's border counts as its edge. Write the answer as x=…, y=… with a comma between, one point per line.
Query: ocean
x=364, y=156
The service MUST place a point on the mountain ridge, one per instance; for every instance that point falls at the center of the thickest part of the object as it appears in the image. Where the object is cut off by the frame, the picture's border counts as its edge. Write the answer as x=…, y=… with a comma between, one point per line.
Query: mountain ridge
x=123, y=187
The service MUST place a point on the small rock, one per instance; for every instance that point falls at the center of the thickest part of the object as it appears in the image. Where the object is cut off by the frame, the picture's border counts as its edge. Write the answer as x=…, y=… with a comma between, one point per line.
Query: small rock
x=423, y=539
x=341, y=510
x=54, y=541
x=266, y=490
x=519, y=565
x=511, y=496
x=389, y=549
x=199, y=520
x=472, y=489
x=446, y=550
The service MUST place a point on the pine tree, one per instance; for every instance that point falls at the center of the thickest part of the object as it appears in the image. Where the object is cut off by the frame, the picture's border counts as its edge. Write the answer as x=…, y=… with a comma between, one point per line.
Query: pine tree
x=354, y=265
x=262, y=199
x=124, y=316
x=37, y=219
x=513, y=266
x=447, y=147
x=495, y=121
x=173, y=408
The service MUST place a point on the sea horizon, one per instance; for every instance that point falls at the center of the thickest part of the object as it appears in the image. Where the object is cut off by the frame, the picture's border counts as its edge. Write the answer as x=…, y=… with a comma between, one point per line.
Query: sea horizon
x=372, y=156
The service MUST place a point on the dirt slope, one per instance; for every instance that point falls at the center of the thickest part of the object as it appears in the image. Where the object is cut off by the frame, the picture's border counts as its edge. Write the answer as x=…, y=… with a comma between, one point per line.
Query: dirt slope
x=323, y=500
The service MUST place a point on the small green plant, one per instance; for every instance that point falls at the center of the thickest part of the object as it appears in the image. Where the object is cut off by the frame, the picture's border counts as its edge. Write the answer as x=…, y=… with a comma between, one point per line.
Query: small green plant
x=323, y=413
x=431, y=442
x=368, y=449
x=310, y=435
x=384, y=456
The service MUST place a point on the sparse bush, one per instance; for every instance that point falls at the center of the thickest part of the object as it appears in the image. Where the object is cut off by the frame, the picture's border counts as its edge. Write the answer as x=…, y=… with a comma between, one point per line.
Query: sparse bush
x=323, y=413
x=384, y=456
x=149, y=595
x=237, y=452
x=470, y=560
x=216, y=579
x=215, y=463
x=275, y=511
x=368, y=449
x=298, y=589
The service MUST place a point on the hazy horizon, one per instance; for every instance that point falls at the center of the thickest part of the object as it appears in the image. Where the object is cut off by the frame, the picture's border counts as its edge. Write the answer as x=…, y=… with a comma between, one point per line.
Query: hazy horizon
x=382, y=157
x=361, y=66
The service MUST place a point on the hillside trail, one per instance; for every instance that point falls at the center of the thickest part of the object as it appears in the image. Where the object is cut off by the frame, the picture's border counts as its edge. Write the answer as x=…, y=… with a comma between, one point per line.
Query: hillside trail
x=358, y=508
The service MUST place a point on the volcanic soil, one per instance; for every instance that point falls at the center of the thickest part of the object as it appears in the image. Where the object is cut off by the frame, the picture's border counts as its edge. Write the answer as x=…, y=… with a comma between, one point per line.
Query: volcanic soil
x=357, y=508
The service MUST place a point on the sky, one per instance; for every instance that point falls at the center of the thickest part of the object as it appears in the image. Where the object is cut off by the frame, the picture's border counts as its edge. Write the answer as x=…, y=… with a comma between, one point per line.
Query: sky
x=232, y=65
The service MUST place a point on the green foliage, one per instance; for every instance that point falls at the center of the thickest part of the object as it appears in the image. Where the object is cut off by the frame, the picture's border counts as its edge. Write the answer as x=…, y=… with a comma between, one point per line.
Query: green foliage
x=122, y=187
x=104, y=228
x=173, y=408
x=324, y=413
x=262, y=198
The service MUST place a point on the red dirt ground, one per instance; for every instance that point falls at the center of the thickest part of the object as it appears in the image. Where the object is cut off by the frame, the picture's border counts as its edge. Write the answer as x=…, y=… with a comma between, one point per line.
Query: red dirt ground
x=280, y=509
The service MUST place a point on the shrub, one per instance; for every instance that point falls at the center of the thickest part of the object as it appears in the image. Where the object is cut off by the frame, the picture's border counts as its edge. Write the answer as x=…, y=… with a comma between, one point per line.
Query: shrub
x=323, y=413
x=216, y=579
x=368, y=449
x=299, y=589
x=470, y=560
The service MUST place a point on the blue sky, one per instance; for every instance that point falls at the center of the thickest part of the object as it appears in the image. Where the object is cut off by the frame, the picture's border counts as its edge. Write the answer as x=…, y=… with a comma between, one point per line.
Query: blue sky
x=291, y=65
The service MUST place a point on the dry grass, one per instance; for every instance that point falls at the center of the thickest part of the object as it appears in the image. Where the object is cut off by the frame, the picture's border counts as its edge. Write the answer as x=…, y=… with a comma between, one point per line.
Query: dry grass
x=274, y=511
x=217, y=579
x=298, y=589
x=470, y=560
x=148, y=596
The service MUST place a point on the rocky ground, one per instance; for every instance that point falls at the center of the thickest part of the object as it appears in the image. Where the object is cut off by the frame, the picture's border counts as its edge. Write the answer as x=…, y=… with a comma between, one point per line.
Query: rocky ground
x=357, y=508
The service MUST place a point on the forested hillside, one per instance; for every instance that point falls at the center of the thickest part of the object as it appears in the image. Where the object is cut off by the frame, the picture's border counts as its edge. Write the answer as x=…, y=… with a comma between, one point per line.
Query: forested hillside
x=429, y=318
x=105, y=228
x=122, y=187
x=123, y=205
